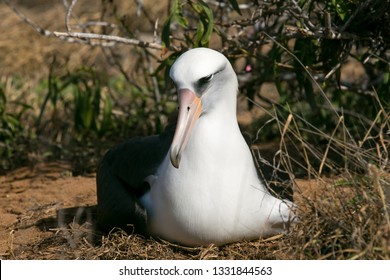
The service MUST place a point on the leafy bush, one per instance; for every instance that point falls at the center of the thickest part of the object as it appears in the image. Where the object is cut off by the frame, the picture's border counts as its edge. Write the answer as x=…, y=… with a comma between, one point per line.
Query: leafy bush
x=12, y=135
x=304, y=48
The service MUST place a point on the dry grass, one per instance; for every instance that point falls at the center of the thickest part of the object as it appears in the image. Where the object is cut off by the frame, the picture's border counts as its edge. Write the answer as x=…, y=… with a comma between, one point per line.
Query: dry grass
x=345, y=220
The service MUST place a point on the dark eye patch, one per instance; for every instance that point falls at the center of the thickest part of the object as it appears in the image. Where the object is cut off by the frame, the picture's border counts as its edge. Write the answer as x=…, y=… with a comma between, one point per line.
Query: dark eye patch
x=206, y=79
x=203, y=83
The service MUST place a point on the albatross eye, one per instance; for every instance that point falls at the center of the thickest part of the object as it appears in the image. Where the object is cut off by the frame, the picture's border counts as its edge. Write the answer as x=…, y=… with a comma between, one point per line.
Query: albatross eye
x=206, y=79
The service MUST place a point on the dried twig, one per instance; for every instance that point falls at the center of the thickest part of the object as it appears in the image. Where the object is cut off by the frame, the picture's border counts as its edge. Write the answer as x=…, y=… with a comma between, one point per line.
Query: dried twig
x=106, y=40
x=68, y=13
x=37, y=28
x=92, y=39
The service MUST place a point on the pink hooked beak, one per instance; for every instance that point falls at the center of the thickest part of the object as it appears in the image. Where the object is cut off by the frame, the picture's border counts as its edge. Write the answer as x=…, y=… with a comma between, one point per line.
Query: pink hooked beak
x=190, y=108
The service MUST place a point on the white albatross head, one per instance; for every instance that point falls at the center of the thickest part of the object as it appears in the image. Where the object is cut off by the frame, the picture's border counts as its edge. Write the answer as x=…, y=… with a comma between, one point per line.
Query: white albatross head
x=205, y=82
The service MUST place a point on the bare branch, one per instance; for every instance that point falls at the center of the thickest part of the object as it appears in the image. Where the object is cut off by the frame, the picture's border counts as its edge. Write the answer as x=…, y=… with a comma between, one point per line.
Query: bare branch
x=85, y=25
x=139, y=8
x=155, y=31
x=222, y=4
x=157, y=93
x=297, y=32
x=68, y=13
x=108, y=38
x=37, y=28
x=91, y=39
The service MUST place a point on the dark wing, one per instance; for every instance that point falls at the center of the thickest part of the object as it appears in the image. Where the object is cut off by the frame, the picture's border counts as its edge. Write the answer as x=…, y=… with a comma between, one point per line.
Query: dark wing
x=121, y=180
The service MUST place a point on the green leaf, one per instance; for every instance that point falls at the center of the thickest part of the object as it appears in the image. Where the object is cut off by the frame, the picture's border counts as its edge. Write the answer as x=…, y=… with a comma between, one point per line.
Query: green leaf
x=341, y=8
x=210, y=25
x=177, y=14
x=235, y=6
x=166, y=32
x=181, y=20
x=199, y=33
x=206, y=22
x=3, y=101
x=106, y=122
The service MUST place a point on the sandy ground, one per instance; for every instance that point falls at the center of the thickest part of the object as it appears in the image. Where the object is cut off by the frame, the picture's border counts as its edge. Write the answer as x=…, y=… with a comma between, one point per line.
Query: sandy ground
x=36, y=201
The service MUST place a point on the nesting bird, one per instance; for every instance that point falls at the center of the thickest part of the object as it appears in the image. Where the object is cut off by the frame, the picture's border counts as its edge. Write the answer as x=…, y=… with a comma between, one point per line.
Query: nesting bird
x=196, y=183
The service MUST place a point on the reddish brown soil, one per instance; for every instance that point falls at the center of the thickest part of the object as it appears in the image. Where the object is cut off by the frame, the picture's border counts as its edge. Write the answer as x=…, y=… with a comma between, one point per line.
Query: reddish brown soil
x=35, y=201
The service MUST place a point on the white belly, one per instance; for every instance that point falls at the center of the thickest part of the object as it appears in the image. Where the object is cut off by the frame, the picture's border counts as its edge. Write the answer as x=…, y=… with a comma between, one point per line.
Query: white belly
x=206, y=202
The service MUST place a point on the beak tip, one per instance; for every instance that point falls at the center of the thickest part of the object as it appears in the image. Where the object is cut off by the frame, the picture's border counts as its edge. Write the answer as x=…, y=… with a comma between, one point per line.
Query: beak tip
x=175, y=157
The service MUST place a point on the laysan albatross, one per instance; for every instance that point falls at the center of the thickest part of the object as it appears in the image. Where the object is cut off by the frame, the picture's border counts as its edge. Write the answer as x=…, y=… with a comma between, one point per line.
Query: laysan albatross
x=202, y=183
